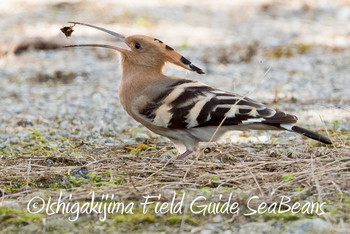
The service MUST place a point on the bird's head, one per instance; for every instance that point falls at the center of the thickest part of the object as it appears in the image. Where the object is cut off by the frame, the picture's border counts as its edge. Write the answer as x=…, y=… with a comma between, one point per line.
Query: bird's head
x=144, y=51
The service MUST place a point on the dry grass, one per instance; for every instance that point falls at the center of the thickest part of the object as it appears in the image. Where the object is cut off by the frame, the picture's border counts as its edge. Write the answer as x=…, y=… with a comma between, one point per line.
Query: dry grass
x=262, y=169
x=303, y=173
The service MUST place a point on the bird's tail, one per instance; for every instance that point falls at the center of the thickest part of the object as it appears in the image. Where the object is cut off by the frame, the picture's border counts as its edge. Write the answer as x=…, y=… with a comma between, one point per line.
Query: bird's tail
x=310, y=134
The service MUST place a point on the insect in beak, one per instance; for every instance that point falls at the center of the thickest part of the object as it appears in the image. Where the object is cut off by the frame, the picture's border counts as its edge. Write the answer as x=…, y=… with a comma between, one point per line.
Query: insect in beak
x=117, y=35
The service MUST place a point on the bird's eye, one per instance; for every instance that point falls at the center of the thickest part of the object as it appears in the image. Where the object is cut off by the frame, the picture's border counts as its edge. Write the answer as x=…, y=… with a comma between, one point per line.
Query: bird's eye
x=137, y=45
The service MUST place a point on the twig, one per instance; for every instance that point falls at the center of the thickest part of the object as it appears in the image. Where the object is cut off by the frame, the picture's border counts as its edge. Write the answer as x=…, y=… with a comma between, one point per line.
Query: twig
x=317, y=183
x=339, y=190
x=171, y=159
x=256, y=182
x=28, y=170
x=182, y=226
x=327, y=130
x=130, y=178
x=98, y=161
x=81, y=144
x=2, y=195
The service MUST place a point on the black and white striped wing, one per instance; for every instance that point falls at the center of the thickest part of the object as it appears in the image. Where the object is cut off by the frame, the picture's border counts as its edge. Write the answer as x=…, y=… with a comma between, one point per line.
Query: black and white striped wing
x=188, y=104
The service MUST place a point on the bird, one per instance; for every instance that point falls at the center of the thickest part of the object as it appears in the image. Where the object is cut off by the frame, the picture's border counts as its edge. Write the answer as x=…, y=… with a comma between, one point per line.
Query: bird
x=185, y=111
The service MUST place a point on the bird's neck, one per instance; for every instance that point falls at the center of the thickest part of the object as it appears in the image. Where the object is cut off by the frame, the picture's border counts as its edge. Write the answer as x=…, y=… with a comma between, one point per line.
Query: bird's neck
x=135, y=79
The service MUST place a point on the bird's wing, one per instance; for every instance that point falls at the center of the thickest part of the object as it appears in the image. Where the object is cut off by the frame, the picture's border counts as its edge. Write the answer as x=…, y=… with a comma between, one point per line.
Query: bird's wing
x=183, y=103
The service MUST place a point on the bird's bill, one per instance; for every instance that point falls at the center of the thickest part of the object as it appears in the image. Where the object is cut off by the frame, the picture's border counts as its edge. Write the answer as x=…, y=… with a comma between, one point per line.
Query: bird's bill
x=118, y=48
x=117, y=35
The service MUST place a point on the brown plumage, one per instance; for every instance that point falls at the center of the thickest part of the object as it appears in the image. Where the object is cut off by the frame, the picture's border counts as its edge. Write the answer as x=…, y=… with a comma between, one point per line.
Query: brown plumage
x=184, y=110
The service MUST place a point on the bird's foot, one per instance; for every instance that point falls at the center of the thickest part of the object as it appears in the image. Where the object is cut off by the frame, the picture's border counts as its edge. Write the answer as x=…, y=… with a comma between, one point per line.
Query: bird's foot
x=184, y=155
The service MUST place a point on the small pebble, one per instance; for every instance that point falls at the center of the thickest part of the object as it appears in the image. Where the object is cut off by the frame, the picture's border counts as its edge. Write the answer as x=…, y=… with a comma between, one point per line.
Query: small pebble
x=5, y=156
x=10, y=204
x=49, y=161
x=217, y=219
x=140, y=137
x=167, y=155
x=80, y=172
x=108, y=141
x=4, y=136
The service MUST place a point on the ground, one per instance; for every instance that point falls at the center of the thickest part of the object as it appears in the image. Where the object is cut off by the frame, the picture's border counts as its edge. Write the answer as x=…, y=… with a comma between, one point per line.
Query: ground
x=63, y=130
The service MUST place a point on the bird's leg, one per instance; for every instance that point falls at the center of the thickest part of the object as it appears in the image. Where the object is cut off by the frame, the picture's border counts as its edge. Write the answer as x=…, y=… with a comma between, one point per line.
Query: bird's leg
x=184, y=155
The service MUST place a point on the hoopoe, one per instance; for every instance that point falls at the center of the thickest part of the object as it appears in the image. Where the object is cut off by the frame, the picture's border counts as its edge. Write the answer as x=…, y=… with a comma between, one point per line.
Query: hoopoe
x=184, y=110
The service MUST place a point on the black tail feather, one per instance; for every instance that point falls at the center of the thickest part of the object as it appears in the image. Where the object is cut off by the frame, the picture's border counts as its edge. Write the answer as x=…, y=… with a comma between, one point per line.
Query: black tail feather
x=311, y=134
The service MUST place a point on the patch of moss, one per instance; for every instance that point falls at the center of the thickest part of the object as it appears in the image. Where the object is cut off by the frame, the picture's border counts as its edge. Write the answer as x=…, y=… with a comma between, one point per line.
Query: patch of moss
x=279, y=52
x=77, y=181
x=15, y=184
x=174, y=219
x=287, y=51
x=135, y=218
x=303, y=48
x=205, y=188
x=14, y=217
x=40, y=149
x=94, y=180
x=287, y=216
x=50, y=181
